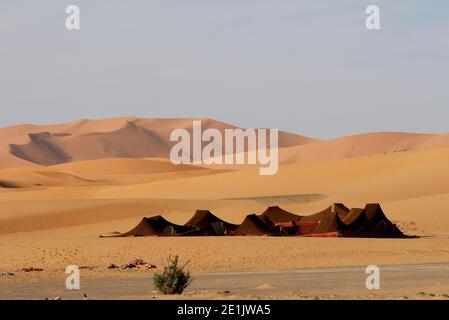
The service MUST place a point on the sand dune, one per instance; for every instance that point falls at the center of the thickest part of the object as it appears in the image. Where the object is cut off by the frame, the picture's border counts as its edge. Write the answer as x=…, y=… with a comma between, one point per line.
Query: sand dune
x=373, y=178
x=114, y=171
x=377, y=143
x=387, y=178
x=36, y=178
x=363, y=145
x=132, y=137
x=100, y=139
x=130, y=141
x=124, y=166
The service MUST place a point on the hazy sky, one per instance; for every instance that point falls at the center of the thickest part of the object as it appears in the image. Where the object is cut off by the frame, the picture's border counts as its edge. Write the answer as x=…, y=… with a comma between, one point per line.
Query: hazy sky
x=310, y=67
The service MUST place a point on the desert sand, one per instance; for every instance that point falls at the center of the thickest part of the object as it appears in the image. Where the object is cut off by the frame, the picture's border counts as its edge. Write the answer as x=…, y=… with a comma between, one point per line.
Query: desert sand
x=61, y=186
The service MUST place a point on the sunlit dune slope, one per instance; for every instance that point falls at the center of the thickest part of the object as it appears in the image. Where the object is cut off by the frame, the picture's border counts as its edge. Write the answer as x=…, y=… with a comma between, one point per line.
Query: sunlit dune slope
x=412, y=185
x=98, y=172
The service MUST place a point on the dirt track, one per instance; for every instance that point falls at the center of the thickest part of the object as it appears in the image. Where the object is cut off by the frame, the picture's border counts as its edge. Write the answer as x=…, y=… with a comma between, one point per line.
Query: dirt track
x=424, y=281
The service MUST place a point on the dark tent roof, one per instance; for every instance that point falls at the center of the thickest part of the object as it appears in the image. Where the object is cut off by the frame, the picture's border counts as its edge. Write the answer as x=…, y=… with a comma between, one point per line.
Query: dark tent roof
x=277, y=215
x=145, y=227
x=369, y=222
x=210, y=224
x=156, y=226
x=327, y=221
x=253, y=225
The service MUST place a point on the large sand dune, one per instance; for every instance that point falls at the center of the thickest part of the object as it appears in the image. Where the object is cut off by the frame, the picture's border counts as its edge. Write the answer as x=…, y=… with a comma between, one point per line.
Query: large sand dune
x=131, y=137
x=363, y=145
x=99, y=139
x=377, y=143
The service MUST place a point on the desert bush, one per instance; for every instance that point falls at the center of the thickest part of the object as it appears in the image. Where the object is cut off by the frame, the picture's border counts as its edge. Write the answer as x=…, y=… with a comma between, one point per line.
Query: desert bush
x=173, y=279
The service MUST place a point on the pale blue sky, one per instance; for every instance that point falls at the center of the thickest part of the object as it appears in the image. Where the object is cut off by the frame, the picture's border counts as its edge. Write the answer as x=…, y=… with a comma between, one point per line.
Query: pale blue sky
x=309, y=67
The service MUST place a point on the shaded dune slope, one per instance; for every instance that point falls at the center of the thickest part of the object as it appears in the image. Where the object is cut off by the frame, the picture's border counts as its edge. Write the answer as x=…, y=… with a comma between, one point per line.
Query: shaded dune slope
x=111, y=138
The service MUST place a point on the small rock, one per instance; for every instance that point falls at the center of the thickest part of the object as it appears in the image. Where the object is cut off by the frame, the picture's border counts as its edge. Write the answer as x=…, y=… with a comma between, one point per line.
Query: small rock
x=87, y=267
x=31, y=269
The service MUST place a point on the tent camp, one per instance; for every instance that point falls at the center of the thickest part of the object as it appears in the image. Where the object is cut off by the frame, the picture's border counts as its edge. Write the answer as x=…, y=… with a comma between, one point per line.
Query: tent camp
x=207, y=224
x=334, y=221
x=254, y=225
x=156, y=226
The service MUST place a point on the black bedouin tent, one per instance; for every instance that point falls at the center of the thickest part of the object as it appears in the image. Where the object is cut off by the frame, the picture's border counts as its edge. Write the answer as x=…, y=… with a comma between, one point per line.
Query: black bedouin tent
x=323, y=223
x=369, y=222
x=207, y=224
x=254, y=225
x=156, y=226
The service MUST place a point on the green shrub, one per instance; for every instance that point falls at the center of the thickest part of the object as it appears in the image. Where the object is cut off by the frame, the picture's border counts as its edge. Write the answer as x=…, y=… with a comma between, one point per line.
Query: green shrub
x=173, y=279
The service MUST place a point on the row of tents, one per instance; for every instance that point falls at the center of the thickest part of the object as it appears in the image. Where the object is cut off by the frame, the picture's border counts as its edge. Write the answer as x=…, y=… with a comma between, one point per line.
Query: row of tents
x=335, y=221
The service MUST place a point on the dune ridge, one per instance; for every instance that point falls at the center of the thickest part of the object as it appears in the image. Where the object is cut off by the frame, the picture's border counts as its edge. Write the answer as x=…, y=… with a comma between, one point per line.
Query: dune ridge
x=363, y=145
x=132, y=137
x=100, y=139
